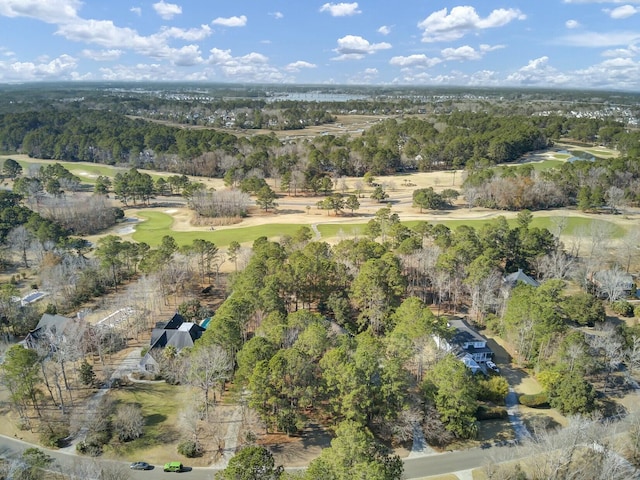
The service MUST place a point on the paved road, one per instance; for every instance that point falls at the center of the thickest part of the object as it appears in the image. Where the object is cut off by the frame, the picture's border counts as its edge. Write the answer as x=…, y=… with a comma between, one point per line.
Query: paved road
x=415, y=468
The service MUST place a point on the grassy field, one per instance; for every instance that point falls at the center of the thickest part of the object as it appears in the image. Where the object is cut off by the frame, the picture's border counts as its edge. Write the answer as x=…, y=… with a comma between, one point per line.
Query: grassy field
x=86, y=172
x=539, y=166
x=160, y=405
x=574, y=226
x=158, y=224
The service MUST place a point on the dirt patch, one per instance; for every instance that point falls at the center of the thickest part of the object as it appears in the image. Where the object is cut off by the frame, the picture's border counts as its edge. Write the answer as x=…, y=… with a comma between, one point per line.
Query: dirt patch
x=297, y=451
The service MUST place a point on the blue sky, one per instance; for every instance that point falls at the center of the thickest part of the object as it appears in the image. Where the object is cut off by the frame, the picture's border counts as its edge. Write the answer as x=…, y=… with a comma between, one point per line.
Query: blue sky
x=536, y=43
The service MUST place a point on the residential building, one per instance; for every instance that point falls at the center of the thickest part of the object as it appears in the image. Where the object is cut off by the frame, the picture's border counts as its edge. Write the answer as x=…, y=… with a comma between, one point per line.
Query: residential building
x=176, y=332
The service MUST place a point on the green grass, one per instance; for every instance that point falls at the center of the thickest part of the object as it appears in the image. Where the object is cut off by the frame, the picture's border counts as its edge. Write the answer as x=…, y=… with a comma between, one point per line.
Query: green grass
x=158, y=224
x=160, y=405
x=574, y=226
x=549, y=164
x=87, y=173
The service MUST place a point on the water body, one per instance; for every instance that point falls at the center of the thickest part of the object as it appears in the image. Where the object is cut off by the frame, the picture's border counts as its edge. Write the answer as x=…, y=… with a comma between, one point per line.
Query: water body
x=579, y=156
x=315, y=97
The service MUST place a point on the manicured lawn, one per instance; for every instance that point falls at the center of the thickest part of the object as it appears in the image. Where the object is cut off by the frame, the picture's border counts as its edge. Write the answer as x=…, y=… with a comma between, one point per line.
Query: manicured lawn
x=87, y=173
x=158, y=224
x=549, y=164
x=574, y=226
x=161, y=404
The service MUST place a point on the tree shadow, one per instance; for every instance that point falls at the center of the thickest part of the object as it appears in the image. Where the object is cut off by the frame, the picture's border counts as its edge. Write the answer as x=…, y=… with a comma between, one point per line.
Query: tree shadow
x=155, y=419
x=500, y=355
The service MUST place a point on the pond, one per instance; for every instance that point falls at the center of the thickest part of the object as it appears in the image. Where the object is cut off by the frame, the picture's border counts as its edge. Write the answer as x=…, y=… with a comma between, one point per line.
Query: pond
x=577, y=155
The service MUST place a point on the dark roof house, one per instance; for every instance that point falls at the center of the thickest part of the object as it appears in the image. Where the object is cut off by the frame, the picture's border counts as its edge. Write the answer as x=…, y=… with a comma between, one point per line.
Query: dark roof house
x=52, y=326
x=514, y=278
x=176, y=332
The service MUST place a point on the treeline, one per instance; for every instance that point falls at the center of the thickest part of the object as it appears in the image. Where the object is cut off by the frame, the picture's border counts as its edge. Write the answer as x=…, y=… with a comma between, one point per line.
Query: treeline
x=590, y=185
x=455, y=140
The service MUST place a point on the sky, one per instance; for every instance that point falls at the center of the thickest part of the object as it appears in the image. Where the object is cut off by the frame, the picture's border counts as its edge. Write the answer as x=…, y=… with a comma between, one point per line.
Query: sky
x=592, y=44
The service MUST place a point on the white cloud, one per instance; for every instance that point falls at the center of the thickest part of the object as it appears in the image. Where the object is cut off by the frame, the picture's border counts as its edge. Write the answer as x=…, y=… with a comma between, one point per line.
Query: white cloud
x=136, y=10
x=49, y=11
x=446, y=26
x=599, y=40
x=384, y=30
x=253, y=67
x=277, y=15
x=571, y=24
x=138, y=72
x=367, y=76
x=61, y=68
x=601, y=1
x=468, y=53
x=616, y=73
x=299, y=65
x=167, y=10
x=106, y=34
x=240, y=21
x=417, y=60
x=353, y=47
x=484, y=78
x=186, y=56
x=341, y=9
x=102, y=55
x=539, y=72
x=625, y=11
x=629, y=52
x=190, y=35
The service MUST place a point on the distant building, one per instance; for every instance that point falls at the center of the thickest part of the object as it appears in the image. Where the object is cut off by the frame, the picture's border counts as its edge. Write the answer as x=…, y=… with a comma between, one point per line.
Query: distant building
x=612, y=282
x=520, y=277
x=176, y=332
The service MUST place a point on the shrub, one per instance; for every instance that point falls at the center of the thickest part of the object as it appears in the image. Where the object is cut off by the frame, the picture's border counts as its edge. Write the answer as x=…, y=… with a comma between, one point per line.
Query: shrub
x=537, y=400
x=622, y=307
x=189, y=449
x=493, y=389
x=89, y=448
x=53, y=437
x=548, y=378
x=636, y=311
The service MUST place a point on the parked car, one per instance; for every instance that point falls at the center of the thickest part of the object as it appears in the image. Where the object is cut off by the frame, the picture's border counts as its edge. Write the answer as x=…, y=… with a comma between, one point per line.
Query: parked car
x=140, y=466
x=173, y=467
x=492, y=366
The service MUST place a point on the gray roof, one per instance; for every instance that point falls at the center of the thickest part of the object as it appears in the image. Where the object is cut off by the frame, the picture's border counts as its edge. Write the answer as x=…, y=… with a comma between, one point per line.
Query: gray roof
x=519, y=276
x=176, y=332
x=55, y=324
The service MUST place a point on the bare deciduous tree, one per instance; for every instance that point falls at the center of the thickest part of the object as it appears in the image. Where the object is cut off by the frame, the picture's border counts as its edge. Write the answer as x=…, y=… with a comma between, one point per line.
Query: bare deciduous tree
x=209, y=367
x=611, y=283
x=20, y=240
x=583, y=449
x=128, y=422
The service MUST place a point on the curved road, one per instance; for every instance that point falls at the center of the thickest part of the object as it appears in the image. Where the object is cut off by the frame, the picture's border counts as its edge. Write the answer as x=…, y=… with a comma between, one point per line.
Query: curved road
x=414, y=468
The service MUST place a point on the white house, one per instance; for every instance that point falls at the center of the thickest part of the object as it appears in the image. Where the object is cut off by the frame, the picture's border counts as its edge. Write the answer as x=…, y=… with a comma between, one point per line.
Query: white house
x=466, y=344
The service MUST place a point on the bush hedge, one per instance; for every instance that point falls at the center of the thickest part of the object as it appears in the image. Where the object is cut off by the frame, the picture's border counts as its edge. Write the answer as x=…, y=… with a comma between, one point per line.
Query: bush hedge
x=189, y=449
x=537, y=400
x=622, y=307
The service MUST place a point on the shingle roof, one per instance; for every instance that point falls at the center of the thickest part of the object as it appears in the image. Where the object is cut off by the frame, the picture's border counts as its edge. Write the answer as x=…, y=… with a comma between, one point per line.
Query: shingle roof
x=519, y=276
x=177, y=333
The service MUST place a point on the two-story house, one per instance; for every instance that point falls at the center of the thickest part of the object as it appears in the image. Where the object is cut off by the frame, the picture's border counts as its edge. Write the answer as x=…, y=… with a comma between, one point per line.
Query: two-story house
x=466, y=344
